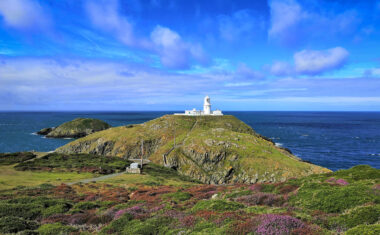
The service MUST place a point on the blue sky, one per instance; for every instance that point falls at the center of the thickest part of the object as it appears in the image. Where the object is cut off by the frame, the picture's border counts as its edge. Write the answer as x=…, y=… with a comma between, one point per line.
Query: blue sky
x=169, y=54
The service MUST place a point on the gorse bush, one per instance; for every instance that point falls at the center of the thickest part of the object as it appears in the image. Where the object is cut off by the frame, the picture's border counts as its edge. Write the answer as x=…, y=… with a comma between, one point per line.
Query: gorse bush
x=56, y=228
x=364, y=230
x=357, y=216
x=360, y=172
x=178, y=196
x=217, y=205
x=13, y=158
x=12, y=224
x=332, y=199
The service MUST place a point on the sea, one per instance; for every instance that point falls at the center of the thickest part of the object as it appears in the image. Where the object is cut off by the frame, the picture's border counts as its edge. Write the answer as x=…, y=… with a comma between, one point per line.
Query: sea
x=335, y=140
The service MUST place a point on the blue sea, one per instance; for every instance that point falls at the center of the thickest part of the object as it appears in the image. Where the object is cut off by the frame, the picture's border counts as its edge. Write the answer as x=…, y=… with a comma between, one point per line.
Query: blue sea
x=336, y=140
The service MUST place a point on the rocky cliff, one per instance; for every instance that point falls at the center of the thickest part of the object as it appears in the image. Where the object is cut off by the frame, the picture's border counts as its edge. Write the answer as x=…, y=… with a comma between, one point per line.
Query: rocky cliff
x=208, y=148
x=74, y=129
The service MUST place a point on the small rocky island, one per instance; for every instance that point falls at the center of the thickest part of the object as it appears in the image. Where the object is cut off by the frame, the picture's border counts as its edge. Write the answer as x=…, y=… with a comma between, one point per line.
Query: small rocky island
x=76, y=128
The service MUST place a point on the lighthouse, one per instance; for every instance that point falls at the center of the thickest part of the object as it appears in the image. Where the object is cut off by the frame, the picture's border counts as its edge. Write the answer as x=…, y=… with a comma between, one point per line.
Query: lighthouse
x=207, y=106
x=206, y=110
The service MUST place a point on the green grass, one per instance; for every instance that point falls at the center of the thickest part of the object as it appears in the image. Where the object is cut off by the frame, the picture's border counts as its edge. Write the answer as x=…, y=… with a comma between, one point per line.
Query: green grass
x=10, y=178
x=80, y=162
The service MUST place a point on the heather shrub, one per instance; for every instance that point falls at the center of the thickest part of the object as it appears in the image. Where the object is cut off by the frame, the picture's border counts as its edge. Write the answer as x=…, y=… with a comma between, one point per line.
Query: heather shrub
x=373, y=229
x=56, y=228
x=26, y=211
x=155, y=225
x=264, y=210
x=205, y=227
x=216, y=205
x=12, y=224
x=238, y=194
x=357, y=216
x=272, y=224
x=56, y=209
x=178, y=196
x=260, y=198
x=332, y=199
x=117, y=226
x=267, y=188
x=86, y=205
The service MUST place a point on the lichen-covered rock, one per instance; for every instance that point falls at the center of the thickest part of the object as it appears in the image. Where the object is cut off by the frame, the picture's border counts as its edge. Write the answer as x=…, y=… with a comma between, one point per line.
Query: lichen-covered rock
x=76, y=128
x=212, y=149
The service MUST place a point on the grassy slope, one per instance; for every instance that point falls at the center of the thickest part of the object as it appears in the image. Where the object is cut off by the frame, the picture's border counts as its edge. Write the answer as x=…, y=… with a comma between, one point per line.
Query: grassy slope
x=255, y=154
x=10, y=178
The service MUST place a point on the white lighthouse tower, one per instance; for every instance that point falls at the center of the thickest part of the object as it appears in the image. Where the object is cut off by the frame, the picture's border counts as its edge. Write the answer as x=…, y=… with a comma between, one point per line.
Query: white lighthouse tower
x=207, y=106
x=206, y=110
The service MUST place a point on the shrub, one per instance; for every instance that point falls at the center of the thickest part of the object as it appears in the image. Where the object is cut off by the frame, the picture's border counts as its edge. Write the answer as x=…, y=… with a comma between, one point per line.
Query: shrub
x=12, y=224
x=365, y=230
x=178, y=196
x=262, y=199
x=360, y=215
x=267, y=188
x=85, y=206
x=360, y=172
x=57, y=209
x=239, y=194
x=56, y=228
x=272, y=224
x=12, y=158
x=81, y=162
x=217, y=205
x=332, y=199
x=117, y=226
x=156, y=225
x=26, y=211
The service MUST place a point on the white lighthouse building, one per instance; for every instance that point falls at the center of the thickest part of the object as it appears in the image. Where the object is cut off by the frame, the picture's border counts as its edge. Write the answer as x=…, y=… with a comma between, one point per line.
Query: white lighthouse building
x=206, y=110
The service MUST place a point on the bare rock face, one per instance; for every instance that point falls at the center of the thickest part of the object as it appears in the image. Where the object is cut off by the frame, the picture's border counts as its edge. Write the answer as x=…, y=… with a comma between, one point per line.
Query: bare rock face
x=212, y=149
x=74, y=129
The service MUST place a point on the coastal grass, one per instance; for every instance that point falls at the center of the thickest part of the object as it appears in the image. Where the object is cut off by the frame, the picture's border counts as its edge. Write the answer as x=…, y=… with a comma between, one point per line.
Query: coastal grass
x=10, y=178
x=75, y=162
x=153, y=175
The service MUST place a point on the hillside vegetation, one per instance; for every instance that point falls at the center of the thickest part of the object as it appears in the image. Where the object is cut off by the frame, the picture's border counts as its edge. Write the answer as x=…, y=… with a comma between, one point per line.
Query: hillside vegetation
x=76, y=128
x=212, y=149
x=343, y=202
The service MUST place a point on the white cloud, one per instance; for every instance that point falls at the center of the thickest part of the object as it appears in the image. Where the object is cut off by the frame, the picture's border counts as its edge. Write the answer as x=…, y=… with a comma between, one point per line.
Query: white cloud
x=24, y=14
x=281, y=69
x=175, y=53
x=284, y=15
x=240, y=24
x=375, y=72
x=245, y=72
x=316, y=62
x=106, y=17
x=293, y=23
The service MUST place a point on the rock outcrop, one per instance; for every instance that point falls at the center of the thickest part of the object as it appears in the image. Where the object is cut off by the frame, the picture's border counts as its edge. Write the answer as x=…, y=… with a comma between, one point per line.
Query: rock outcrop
x=211, y=149
x=76, y=128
